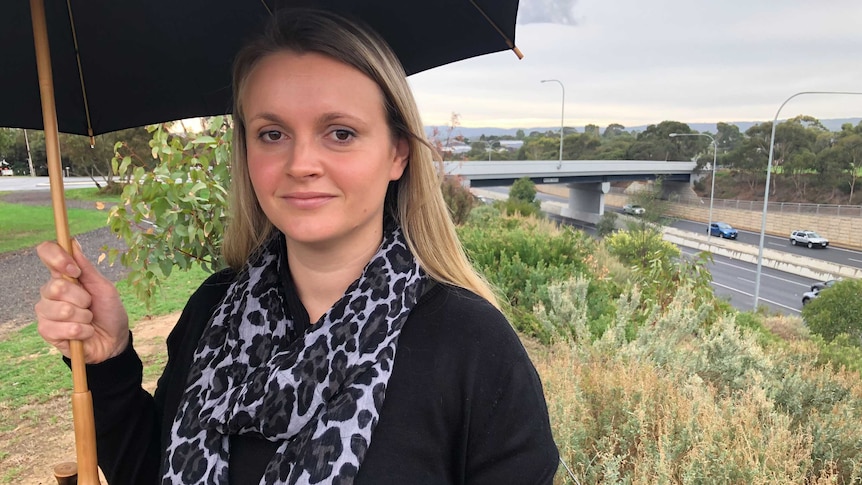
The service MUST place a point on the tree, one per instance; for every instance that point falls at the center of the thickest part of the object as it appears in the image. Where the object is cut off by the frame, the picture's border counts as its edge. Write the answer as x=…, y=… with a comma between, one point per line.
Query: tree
x=580, y=146
x=727, y=137
x=592, y=129
x=523, y=190
x=441, y=141
x=95, y=160
x=522, y=198
x=173, y=215
x=613, y=130
x=540, y=148
x=655, y=143
x=842, y=162
x=836, y=311
x=7, y=142
x=650, y=196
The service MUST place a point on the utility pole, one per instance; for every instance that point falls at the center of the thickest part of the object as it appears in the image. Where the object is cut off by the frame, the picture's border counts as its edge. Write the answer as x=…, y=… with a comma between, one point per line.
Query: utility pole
x=29, y=158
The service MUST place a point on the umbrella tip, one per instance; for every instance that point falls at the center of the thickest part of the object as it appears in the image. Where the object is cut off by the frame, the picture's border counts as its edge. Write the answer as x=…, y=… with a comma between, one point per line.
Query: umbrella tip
x=517, y=52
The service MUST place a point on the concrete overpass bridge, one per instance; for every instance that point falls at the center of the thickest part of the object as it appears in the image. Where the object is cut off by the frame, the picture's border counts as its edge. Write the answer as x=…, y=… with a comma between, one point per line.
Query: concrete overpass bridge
x=588, y=180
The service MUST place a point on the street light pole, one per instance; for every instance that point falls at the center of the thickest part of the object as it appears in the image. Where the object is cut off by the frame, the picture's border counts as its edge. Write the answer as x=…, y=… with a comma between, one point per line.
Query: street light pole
x=562, y=116
x=766, y=191
x=712, y=190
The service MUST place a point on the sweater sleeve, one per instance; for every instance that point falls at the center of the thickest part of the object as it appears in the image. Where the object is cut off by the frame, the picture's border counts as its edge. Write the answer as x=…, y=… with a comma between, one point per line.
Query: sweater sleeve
x=512, y=441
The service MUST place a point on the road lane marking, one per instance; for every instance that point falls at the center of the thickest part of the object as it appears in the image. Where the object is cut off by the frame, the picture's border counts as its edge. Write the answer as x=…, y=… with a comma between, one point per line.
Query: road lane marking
x=762, y=274
x=857, y=260
x=794, y=310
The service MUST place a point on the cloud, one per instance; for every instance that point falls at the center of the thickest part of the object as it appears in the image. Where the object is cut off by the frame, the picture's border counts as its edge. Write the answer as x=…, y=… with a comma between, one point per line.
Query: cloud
x=546, y=11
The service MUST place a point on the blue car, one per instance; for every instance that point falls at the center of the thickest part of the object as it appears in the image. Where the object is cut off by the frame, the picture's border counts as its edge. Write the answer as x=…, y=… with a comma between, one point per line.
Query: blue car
x=722, y=229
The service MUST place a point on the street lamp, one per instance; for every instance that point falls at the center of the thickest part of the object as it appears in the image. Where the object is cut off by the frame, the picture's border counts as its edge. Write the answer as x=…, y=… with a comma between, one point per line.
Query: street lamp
x=488, y=148
x=562, y=116
x=766, y=192
x=712, y=190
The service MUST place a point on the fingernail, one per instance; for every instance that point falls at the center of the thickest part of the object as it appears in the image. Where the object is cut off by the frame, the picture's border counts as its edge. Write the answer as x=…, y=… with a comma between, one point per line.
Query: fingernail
x=72, y=270
x=78, y=245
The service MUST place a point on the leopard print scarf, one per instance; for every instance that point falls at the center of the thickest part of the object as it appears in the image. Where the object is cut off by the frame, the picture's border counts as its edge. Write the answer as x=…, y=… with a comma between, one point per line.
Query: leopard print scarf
x=320, y=395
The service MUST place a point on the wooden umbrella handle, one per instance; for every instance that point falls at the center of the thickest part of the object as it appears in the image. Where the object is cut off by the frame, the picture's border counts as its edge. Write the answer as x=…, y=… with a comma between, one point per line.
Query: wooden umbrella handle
x=66, y=473
x=82, y=401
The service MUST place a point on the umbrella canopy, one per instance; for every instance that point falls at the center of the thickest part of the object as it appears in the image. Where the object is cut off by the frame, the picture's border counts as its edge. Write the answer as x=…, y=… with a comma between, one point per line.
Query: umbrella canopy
x=147, y=61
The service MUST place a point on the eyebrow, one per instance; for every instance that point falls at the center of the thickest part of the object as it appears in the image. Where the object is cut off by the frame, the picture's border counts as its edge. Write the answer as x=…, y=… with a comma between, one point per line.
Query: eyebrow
x=322, y=119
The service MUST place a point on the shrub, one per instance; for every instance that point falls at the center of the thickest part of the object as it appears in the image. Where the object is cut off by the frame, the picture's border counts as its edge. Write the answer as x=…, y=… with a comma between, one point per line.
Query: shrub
x=522, y=256
x=836, y=311
x=173, y=215
x=607, y=224
x=459, y=199
x=523, y=189
x=641, y=248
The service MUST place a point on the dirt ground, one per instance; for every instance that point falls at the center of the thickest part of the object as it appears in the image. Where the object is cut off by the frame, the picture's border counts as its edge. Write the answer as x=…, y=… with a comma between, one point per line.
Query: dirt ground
x=43, y=435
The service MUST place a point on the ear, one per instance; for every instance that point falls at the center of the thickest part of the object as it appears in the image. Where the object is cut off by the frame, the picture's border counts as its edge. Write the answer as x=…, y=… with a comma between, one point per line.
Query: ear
x=399, y=161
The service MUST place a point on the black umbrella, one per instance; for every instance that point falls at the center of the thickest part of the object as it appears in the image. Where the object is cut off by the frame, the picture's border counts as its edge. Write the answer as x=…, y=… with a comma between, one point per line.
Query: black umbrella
x=120, y=64
x=147, y=61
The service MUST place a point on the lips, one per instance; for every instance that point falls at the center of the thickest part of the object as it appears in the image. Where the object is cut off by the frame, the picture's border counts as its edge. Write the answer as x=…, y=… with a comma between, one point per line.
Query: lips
x=307, y=200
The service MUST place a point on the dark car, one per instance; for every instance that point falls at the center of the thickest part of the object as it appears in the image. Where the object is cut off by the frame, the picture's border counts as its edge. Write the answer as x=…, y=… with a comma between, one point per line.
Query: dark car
x=722, y=229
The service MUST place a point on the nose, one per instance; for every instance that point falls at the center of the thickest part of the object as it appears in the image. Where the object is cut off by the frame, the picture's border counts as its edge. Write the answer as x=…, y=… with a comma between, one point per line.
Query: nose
x=303, y=158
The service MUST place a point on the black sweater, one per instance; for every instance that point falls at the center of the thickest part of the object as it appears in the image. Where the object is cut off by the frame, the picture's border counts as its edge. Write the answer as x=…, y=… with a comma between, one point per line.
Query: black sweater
x=464, y=404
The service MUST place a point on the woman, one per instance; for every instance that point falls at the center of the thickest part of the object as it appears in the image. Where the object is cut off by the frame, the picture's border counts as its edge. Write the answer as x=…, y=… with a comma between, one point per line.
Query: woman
x=350, y=341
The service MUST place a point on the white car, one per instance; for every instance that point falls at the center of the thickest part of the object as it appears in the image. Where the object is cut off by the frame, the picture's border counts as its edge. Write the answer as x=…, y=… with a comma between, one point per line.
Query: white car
x=633, y=209
x=808, y=296
x=808, y=238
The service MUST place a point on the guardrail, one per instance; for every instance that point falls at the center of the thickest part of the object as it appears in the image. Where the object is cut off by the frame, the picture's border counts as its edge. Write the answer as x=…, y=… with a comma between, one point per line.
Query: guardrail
x=774, y=207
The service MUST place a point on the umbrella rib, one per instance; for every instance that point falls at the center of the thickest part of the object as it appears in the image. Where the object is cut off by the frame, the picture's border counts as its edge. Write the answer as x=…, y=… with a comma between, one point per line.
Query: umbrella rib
x=503, y=35
x=81, y=74
x=269, y=10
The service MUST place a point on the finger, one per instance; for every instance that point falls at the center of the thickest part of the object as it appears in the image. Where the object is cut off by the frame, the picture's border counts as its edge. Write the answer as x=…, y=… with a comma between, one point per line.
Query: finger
x=60, y=311
x=57, y=260
x=62, y=290
x=61, y=331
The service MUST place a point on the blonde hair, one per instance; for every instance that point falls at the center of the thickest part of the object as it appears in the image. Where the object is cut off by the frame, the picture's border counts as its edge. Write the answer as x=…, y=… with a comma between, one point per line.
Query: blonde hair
x=415, y=201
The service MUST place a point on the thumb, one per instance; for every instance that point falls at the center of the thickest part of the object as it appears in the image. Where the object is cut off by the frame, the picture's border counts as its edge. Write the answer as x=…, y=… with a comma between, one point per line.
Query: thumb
x=90, y=274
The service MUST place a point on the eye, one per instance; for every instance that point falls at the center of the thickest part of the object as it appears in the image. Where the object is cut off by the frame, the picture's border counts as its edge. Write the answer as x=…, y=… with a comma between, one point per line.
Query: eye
x=342, y=135
x=271, y=136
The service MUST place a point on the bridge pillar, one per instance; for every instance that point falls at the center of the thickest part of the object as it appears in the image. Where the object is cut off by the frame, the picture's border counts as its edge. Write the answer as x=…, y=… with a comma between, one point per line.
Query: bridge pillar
x=586, y=201
x=675, y=191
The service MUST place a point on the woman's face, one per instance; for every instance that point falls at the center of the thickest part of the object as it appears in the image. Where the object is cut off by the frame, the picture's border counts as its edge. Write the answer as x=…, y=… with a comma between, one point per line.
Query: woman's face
x=320, y=153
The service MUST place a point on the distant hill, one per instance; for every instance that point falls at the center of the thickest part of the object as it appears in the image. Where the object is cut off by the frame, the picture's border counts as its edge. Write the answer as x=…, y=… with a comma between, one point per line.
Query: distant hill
x=831, y=125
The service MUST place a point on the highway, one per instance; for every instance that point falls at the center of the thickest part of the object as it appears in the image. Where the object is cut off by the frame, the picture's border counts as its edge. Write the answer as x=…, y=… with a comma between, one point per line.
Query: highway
x=734, y=280
x=844, y=257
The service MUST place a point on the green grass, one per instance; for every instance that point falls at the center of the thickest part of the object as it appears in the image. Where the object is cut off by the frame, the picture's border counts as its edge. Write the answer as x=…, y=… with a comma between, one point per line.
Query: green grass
x=33, y=373
x=174, y=292
x=91, y=194
x=25, y=226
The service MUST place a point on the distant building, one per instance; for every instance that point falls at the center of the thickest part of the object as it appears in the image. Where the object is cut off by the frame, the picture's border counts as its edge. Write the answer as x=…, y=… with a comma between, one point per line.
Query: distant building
x=456, y=148
x=512, y=145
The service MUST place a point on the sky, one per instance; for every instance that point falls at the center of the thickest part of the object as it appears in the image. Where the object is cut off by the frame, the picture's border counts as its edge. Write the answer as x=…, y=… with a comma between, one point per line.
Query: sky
x=635, y=63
